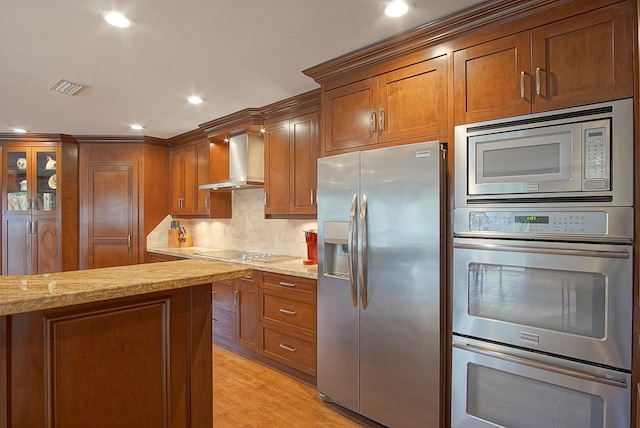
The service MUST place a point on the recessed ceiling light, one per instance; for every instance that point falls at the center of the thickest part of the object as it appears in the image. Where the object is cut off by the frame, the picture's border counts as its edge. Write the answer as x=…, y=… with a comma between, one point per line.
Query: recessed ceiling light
x=397, y=8
x=117, y=19
x=20, y=131
x=194, y=100
x=136, y=126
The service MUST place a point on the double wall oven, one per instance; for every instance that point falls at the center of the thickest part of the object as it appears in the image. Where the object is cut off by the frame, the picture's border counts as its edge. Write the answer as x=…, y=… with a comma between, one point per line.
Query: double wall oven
x=543, y=270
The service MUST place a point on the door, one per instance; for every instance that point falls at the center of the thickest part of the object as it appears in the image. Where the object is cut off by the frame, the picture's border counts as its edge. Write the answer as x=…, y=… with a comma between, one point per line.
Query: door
x=247, y=313
x=498, y=386
x=413, y=101
x=493, y=79
x=112, y=197
x=202, y=168
x=400, y=321
x=278, y=171
x=567, y=299
x=304, y=156
x=583, y=59
x=349, y=116
x=338, y=314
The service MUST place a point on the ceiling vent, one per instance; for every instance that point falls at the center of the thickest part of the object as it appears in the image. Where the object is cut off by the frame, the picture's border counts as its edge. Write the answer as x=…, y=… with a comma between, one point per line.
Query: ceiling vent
x=65, y=87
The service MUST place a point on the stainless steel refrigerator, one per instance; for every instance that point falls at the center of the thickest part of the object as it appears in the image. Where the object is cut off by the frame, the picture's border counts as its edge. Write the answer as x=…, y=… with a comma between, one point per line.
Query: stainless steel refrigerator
x=380, y=251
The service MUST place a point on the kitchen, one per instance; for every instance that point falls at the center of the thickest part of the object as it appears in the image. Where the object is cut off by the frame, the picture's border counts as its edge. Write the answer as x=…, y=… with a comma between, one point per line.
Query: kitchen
x=476, y=41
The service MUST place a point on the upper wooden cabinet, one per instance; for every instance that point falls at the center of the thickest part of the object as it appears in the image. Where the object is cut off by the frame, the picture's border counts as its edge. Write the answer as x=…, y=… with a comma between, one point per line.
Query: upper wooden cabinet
x=402, y=105
x=291, y=153
x=575, y=61
x=191, y=167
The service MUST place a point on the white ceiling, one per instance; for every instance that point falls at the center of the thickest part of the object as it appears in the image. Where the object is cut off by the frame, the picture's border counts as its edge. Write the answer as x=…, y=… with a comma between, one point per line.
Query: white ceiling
x=233, y=53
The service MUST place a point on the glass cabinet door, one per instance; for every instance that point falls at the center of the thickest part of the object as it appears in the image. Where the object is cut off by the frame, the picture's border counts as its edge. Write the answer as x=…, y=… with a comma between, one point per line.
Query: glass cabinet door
x=16, y=180
x=46, y=179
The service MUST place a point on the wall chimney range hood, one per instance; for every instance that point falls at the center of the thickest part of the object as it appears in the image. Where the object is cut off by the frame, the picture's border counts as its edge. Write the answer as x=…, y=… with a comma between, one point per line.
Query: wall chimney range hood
x=246, y=164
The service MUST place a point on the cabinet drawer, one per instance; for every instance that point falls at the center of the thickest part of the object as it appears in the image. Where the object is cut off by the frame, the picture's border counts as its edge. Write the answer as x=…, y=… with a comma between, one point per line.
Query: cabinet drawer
x=292, y=312
x=290, y=350
x=288, y=283
x=224, y=294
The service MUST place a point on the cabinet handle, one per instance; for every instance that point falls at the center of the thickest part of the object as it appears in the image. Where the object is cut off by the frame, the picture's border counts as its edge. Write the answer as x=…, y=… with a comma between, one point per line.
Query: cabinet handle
x=311, y=198
x=522, y=85
x=28, y=224
x=287, y=348
x=129, y=240
x=381, y=121
x=215, y=320
x=247, y=278
x=287, y=311
x=537, y=80
x=214, y=292
x=372, y=123
x=206, y=202
x=287, y=284
x=266, y=199
x=236, y=298
x=34, y=227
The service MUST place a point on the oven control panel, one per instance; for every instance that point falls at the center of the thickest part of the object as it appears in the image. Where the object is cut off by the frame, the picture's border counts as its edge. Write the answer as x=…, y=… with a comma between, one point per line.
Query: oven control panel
x=539, y=222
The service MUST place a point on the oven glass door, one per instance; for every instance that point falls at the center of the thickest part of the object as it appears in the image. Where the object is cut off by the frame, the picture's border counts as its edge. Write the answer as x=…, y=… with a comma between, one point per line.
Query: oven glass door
x=494, y=388
x=567, y=299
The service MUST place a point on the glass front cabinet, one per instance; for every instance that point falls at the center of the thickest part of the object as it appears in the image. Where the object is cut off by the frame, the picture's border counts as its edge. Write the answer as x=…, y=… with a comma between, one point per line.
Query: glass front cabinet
x=31, y=223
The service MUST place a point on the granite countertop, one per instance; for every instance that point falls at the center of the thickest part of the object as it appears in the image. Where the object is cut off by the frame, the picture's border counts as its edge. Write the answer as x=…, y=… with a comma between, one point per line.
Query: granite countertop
x=26, y=293
x=293, y=267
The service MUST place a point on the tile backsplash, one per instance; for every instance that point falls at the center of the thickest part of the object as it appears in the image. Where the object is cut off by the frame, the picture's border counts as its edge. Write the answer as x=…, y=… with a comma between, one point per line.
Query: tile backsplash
x=248, y=230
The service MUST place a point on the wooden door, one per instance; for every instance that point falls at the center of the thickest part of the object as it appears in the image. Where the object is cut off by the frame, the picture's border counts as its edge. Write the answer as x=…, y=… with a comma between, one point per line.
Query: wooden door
x=16, y=245
x=224, y=310
x=176, y=162
x=493, y=79
x=111, y=210
x=46, y=245
x=413, y=101
x=202, y=177
x=584, y=59
x=277, y=167
x=304, y=156
x=349, y=117
x=247, y=313
x=190, y=180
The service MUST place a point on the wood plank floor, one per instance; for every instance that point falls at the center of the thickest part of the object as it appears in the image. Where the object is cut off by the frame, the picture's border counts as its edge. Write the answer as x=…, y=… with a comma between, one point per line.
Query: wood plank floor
x=247, y=394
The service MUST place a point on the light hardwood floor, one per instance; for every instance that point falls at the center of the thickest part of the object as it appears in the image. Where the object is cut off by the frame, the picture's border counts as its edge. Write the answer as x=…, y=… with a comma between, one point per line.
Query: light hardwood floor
x=247, y=394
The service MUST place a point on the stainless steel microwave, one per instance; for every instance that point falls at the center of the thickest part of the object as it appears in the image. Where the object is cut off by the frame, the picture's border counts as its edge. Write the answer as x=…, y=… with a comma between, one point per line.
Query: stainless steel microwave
x=573, y=156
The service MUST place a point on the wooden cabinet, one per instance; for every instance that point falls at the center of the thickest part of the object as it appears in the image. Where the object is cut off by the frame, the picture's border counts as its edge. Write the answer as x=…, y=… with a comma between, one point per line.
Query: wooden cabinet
x=158, y=258
x=575, y=61
x=235, y=313
x=291, y=152
x=402, y=105
x=183, y=180
x=32, y=211
x=288, y=315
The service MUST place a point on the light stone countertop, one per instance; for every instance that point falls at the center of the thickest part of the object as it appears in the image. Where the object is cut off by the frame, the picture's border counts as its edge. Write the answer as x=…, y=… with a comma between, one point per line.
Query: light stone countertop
x=26, y=293
x=293, y=267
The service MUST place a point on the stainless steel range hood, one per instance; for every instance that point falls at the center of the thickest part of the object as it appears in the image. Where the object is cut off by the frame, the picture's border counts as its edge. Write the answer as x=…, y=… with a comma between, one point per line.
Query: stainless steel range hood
x=246, y=164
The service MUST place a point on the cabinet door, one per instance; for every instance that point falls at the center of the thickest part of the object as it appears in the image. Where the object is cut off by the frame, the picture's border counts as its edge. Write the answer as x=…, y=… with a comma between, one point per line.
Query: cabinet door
x=304, y=156
x=190, y=180
x=584, y=59
x=493, y=79
x=202, y=177
x=16, y=246
x=46, y=247
x=247, y=313
x=349, y=117
x=111, y=213
x=277, y=167
x=413, y=101
x=176, y=160
x=224, y=313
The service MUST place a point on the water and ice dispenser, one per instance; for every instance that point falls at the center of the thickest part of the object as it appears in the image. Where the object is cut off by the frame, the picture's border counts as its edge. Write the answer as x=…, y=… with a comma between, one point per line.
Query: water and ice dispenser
x=336, y=249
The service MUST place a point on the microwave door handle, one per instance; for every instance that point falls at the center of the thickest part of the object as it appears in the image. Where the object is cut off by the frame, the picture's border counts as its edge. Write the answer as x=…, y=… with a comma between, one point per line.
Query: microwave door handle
x=620, y=383
x=364, y=239
x=545, y=251
x=351, y=250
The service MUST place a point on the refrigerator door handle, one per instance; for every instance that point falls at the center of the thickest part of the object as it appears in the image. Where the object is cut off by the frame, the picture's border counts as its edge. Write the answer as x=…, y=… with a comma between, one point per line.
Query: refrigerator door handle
x=351, y=248
x=362, y=273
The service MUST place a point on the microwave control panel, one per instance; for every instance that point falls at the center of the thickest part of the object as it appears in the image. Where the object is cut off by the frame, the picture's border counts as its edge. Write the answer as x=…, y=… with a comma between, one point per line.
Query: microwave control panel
x=596, y=148
x=539, y=222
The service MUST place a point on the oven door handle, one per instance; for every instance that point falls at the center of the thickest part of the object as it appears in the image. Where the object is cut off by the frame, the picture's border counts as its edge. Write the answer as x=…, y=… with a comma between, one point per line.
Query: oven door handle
x=620, y=383
x=549, y=251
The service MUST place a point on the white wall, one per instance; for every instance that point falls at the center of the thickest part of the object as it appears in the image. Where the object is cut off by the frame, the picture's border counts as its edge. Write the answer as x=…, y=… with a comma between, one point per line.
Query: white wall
x=248, y=230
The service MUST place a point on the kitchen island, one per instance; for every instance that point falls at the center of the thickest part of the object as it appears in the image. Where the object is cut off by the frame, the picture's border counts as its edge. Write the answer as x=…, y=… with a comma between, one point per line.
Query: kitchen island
x=126, y=346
